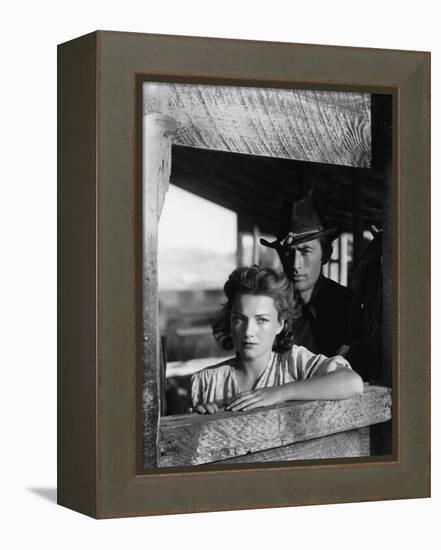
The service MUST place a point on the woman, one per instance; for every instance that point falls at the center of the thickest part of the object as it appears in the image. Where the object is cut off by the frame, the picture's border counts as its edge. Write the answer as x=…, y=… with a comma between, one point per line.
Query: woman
x=268, y=368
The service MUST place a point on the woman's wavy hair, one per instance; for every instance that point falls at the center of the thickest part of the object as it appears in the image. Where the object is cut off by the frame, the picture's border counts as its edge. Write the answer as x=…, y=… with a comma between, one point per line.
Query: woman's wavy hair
x=257, y=281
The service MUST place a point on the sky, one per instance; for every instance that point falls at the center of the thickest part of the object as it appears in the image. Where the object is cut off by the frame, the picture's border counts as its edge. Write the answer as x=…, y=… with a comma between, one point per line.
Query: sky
x=189, y=221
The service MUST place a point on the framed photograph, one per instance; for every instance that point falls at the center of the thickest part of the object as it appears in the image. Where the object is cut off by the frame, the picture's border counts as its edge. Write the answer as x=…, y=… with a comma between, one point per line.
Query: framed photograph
x=244, y=260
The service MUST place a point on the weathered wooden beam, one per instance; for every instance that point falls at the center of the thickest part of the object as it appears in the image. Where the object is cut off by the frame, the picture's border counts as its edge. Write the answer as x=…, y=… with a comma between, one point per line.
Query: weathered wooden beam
x=199, y=439
x=354, y=443
x=307, y=125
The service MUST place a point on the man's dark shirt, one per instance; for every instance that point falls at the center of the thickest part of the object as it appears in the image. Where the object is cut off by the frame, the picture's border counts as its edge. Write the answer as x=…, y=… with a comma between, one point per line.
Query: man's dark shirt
x=324, y=324
x=329, y=321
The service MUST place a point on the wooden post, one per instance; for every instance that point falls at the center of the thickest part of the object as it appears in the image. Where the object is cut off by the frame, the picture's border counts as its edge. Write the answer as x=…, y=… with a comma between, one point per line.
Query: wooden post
x=244, y=226
x=256, y=245
x=388, y=279
x=239, y=249
x=157, y=140
x=357, y=189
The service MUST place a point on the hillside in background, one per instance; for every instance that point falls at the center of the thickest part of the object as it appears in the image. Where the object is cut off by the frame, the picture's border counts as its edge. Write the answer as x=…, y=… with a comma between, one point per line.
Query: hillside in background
x=190, y=268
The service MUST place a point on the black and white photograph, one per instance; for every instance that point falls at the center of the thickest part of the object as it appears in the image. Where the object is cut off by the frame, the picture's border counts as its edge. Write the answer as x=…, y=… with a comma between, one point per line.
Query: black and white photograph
x=267, y=269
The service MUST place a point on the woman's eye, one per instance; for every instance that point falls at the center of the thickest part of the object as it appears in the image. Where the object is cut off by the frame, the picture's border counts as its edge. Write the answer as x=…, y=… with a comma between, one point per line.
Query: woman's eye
x=262, y=321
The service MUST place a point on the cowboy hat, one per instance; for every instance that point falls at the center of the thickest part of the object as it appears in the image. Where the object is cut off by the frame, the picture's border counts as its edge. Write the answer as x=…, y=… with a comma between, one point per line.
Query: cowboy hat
x=301, y=220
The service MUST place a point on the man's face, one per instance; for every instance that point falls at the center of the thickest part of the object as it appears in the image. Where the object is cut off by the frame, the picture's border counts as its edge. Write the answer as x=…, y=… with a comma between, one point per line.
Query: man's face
x=302, y=264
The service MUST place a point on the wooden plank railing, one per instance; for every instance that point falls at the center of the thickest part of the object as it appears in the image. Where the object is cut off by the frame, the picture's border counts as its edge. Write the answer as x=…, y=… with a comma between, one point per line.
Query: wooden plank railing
x=288, y=431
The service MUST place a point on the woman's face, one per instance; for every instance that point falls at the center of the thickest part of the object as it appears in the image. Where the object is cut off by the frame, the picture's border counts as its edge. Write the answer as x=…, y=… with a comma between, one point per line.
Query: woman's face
x=254, y=325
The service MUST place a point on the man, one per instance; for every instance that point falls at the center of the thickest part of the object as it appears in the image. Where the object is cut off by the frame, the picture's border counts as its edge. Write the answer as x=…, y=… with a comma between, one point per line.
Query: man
x=322, y=320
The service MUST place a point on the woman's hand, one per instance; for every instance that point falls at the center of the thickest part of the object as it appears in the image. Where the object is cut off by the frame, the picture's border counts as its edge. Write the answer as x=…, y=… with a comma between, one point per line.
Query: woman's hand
x=206, y=408
x=262, y=397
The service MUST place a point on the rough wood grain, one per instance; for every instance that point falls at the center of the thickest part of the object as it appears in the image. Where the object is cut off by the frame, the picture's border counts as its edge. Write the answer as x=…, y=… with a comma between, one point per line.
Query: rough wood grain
x=342, y=445
x=157, y=133
x=308, y=125
x=198, y=439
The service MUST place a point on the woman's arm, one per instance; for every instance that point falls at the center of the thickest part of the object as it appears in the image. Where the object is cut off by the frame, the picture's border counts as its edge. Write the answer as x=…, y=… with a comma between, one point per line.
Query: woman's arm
x=341, y=383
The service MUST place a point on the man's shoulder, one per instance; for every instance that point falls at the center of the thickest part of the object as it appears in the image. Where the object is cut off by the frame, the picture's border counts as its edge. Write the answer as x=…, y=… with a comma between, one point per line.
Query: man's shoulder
x=331, y=287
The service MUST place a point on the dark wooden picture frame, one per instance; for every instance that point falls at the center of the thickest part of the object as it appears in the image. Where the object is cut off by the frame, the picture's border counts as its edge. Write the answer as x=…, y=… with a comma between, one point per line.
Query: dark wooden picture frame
x=100, y=332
